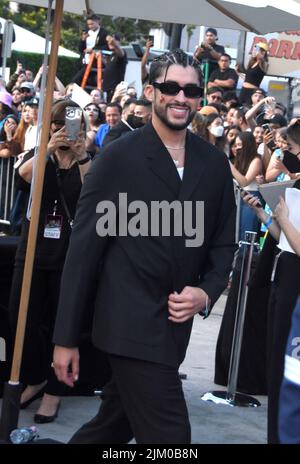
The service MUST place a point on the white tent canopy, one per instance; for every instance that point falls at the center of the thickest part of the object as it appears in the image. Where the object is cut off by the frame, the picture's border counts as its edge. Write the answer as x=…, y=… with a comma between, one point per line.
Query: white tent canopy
x=259, y=17
x=27, y=41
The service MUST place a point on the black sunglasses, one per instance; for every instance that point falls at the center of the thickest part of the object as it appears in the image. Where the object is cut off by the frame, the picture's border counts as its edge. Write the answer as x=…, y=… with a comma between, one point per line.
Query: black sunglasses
x=172, y=89
x=58, y=122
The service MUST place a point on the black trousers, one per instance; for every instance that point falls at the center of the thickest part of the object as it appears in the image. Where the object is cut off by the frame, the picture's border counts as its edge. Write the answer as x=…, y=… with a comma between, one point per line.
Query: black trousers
x=285, y=291
x=38, y=347
x=245, y=96
x=144, y=401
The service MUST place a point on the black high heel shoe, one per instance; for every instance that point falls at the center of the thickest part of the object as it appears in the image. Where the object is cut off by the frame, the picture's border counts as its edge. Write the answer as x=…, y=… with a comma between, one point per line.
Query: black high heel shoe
x=39, y=394
x=42, y=419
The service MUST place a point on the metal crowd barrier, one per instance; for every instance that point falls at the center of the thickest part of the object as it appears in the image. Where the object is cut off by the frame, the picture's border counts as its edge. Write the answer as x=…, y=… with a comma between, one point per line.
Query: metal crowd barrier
x=7, y=188
x=231, y=397
x=237, y=194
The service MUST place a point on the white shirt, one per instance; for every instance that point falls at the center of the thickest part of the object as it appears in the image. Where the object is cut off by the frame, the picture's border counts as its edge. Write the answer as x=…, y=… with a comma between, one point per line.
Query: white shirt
x=292, y=199
x=30, y=138
x=180, y=172
x=90, y=43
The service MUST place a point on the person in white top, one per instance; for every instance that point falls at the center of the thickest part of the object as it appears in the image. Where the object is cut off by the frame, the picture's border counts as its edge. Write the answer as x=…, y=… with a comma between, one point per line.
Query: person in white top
x=91, y=40
x=284, y=226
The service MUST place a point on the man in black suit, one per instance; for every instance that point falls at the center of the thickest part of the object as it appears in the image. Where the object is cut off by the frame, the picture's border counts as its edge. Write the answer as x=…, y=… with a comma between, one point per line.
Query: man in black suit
x=151, y=276
x=123, y=126
x=92, y=39
x=136, y=113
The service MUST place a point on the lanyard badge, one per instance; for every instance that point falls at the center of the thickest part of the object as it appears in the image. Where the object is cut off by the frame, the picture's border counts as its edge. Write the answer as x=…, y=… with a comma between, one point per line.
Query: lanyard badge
x=53, y=224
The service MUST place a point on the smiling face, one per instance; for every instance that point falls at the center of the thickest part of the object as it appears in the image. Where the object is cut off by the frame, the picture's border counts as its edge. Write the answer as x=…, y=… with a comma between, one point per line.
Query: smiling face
x=175, y=112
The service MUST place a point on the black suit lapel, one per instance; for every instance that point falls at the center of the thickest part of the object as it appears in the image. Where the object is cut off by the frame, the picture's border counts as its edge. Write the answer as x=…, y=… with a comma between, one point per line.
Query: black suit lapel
x=160, y=161
x=194, y=168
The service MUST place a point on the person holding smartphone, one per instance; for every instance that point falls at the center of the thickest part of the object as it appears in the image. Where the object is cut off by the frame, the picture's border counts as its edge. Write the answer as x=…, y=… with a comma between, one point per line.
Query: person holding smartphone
x=284, y=226
x=256, y=70
x=66, y=166
x=209, y=51
x=144, y=69
x=94, y=38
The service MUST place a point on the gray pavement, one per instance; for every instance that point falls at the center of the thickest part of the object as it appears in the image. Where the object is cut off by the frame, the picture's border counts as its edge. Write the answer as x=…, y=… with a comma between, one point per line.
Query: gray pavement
x=211, y=423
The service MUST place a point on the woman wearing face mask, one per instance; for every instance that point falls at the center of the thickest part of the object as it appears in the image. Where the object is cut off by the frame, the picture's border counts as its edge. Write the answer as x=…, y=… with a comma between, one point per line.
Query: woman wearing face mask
x=256, y=70
x=283, y=165
x=214, y=131
x=246, y=166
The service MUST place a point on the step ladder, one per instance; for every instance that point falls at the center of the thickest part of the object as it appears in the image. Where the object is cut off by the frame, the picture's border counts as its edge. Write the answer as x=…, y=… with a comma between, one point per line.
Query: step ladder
x=95, y=56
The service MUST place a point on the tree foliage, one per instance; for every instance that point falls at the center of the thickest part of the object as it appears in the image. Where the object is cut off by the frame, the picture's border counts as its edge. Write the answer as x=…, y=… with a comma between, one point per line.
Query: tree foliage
x=34, y=19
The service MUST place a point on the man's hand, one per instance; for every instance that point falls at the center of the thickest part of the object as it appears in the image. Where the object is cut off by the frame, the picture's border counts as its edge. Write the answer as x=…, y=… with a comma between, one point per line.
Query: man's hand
x=182, y=306
x=62, y=358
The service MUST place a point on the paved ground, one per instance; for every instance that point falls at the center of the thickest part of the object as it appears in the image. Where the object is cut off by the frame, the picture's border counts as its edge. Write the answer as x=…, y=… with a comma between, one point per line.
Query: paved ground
x=211, y=423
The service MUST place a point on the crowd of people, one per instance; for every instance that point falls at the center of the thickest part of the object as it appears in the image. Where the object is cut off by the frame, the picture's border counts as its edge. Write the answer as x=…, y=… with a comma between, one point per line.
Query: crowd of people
x=251, y=130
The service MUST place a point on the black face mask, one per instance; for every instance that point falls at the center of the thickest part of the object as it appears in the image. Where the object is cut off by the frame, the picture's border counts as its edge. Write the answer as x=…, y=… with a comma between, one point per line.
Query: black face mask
x=135, y=121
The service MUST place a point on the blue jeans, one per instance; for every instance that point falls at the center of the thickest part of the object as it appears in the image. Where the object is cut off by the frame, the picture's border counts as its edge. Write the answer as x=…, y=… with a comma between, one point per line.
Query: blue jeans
x=248, y=218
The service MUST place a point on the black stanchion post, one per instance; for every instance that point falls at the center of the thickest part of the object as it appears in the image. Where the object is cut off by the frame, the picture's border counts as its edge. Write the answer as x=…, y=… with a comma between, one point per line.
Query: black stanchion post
x=10, y=409
x=231, y=397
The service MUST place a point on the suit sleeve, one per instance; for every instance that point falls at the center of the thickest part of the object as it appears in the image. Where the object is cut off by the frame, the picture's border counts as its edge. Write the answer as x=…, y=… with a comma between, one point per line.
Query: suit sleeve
x=85, y=253
x=222, y=247
x=82, y=46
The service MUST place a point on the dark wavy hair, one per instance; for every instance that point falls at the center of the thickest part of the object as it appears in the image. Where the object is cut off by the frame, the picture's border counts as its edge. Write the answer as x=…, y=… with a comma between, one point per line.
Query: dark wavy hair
x=247, y=154
x=162, y=63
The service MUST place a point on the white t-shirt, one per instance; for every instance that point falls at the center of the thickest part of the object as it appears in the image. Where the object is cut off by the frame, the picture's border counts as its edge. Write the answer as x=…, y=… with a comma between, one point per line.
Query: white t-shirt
x=180, y=172
x=90, y=43
x=292, y=199
x=30, y=138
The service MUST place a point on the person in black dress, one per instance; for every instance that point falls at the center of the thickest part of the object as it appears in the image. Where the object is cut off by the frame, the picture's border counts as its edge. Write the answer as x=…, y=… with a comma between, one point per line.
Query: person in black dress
x=66, y=165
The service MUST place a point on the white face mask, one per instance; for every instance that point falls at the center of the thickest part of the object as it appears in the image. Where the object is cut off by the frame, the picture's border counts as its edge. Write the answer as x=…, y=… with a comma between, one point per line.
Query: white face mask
x=217, y=131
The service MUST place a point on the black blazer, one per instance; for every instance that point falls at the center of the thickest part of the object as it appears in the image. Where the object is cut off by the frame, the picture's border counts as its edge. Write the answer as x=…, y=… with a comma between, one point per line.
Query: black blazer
x=115, y=133
x=100, y=44
x=135, y=275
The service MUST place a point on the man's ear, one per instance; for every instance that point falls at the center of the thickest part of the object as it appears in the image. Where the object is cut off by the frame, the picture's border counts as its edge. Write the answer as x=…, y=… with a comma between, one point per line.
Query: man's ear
x=149, y=92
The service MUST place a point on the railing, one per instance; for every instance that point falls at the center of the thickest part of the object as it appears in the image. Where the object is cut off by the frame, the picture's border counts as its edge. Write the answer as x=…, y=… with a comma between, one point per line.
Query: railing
x=7, y=190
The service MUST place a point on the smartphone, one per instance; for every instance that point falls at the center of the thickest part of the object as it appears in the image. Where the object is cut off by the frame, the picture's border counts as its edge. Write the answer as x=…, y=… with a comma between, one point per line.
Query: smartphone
x=245, y=192
x=151, y=38
x=266, y=128
x=73, y=117
x=137, y=50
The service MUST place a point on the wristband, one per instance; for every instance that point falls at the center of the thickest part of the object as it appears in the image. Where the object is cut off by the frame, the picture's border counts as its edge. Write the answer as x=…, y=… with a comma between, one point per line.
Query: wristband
x=84, y=160
x=269, y=222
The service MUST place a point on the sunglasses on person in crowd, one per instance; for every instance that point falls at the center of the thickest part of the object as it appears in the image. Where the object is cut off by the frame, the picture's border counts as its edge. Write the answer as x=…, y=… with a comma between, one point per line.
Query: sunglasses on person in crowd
x=172, y=89
x=58, y=122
